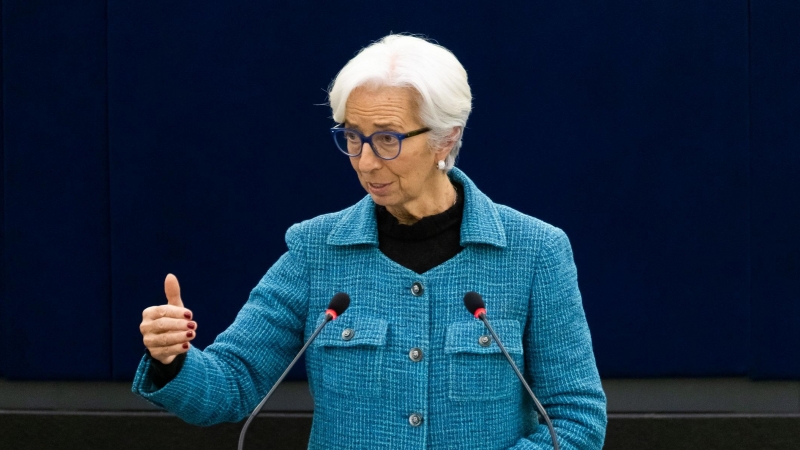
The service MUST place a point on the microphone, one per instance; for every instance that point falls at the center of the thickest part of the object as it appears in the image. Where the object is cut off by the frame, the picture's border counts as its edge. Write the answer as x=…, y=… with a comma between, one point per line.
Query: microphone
x=336, y=307
x=476, y=306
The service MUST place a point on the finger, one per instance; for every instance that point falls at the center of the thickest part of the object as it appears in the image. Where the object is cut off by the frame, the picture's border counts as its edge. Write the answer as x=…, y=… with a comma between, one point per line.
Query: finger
x=167, y=325
x=173, y=290
x=155, y=341
x=167, y=354
x=175, y=312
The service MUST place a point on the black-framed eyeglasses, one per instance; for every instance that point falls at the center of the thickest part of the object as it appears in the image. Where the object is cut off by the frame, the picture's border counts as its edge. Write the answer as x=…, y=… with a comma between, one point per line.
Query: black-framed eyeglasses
x=385, y=144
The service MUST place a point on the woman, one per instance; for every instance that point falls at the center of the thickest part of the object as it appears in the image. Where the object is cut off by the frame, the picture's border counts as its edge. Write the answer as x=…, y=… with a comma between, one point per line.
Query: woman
x=406, y=365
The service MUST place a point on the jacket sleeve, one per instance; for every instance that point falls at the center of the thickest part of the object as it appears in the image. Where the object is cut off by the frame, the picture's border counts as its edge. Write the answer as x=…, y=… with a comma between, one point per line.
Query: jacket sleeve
x=559, y=361
x=224, y=382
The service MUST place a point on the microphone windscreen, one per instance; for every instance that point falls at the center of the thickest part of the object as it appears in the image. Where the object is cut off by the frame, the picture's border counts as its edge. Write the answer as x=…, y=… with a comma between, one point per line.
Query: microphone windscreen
x=339, y=303
x=473, y=302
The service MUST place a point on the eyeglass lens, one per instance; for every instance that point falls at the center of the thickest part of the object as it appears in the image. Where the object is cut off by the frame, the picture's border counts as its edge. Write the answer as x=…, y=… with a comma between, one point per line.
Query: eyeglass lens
x=386, y=145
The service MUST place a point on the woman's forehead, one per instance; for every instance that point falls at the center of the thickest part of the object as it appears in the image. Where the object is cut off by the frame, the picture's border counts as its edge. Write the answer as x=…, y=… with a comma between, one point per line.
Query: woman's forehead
x=381, y=107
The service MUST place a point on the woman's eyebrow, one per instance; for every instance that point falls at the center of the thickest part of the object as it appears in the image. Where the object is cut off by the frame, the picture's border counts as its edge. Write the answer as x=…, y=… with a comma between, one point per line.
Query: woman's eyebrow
x=379, y=125
x=391, y=125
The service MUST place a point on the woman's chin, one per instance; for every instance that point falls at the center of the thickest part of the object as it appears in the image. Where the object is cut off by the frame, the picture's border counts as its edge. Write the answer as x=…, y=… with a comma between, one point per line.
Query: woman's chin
x=382, y=200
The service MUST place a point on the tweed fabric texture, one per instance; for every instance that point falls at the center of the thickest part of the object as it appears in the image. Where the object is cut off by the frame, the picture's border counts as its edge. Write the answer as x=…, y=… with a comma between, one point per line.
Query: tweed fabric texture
x=366, y=387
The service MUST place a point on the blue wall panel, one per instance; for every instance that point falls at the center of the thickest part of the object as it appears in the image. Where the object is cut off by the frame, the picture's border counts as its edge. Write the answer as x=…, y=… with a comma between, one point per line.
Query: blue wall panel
x=56, y=235
x=217, y=147
x=626, y=125
x=775, y=144
x=2, y=210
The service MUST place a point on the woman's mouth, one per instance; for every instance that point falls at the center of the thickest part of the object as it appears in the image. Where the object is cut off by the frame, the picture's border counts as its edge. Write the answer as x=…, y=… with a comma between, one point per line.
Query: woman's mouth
x=378, y=188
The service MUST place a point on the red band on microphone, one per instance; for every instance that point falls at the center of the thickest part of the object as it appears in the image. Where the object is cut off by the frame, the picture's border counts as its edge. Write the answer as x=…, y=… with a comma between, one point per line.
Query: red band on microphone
x=479, y=311
x=332, y=313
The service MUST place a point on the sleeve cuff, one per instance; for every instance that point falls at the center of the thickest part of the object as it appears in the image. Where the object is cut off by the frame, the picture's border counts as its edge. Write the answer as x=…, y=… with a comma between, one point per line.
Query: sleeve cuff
x=160, y=373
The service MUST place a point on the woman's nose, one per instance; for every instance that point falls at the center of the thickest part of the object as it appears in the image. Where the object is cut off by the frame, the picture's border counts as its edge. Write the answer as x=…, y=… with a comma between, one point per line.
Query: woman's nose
x=368, y=160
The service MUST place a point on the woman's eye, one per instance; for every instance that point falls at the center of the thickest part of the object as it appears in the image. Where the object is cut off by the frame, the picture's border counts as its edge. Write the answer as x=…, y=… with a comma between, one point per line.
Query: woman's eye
x=387, y=139
x=350, y=136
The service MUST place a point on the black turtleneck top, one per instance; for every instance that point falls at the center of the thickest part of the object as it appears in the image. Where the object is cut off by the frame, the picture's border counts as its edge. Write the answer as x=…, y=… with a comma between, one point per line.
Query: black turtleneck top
x=420, y=247
x=425, y=244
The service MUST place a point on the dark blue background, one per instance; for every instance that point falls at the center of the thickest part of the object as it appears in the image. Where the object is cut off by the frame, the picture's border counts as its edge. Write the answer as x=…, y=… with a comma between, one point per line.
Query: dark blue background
x=141, y=138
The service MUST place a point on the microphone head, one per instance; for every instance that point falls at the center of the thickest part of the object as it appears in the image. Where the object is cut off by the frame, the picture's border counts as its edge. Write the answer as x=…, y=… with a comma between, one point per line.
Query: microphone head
x=339, y=303
x=473, y=301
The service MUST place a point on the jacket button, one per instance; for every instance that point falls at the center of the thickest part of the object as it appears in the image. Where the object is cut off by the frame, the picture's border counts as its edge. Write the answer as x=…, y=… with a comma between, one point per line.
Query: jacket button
x=415, y=354
x=348, y=334
x=415, y=420
x=485, y=340
x=417, y=289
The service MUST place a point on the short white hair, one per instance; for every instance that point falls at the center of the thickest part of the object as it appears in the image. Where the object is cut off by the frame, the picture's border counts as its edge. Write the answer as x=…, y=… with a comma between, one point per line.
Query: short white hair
x=400, y=60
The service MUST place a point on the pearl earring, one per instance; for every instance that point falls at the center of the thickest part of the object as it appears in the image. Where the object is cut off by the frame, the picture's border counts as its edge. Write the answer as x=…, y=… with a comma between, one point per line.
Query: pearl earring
x=441, y=165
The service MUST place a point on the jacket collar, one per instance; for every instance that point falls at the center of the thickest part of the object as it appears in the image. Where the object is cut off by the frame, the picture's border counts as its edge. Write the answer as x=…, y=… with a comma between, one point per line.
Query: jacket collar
x=480, y=225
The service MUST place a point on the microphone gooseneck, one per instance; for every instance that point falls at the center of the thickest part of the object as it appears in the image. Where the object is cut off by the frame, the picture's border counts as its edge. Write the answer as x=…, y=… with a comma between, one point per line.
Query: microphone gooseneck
x=336, y=307
x=475, y=305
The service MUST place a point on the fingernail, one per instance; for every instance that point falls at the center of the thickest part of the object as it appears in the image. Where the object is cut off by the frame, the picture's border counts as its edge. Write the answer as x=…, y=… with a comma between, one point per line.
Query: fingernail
x=189, y=333
x=185, y=345
x=187, y=314
x=190, y=325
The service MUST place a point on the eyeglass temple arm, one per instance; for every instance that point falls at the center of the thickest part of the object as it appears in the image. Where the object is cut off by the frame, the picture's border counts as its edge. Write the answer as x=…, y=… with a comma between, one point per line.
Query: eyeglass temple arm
x=416, y=132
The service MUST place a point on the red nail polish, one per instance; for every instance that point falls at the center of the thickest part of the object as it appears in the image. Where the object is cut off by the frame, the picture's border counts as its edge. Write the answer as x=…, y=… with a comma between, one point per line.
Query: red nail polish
x=189, y=333
x=187, y=314
x=190, y=325
x=185, y=345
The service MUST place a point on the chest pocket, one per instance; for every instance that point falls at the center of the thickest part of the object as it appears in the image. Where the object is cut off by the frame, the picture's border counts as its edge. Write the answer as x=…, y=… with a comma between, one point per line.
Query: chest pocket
x=353, y=352
x=478, y=370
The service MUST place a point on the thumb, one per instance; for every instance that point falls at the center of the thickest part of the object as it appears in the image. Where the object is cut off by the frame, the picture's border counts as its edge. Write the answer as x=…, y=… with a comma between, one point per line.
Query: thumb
x=173, y=290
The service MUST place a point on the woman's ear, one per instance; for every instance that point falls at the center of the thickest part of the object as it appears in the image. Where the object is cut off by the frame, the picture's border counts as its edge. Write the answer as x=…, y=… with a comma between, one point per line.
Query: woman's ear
x=448, y=144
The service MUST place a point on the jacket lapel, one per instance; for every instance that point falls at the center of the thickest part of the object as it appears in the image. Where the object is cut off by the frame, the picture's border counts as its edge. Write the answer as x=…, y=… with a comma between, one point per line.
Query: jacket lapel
x=481, y=223
x=357, y=226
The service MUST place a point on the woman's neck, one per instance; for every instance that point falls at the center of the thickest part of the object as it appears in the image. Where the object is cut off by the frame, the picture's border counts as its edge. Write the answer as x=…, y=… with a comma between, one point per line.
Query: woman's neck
x=437, y=199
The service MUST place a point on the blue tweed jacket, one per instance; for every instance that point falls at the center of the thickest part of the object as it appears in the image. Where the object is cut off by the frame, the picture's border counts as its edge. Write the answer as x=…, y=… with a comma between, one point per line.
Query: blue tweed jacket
x=367, y=387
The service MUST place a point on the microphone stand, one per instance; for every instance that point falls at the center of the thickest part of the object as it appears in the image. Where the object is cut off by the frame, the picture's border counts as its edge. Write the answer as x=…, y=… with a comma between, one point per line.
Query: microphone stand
x=539, y=406
x=328, y=318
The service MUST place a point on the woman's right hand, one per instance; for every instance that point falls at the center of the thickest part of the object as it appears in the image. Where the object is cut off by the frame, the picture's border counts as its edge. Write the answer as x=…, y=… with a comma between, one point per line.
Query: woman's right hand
x=168, y=329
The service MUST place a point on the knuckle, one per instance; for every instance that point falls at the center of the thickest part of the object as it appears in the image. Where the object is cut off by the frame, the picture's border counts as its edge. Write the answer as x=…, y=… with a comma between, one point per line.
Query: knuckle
x=148, y=312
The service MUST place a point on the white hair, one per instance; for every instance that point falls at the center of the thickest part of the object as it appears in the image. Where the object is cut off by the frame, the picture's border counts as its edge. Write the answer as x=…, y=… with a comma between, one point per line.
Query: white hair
x=399, y=60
